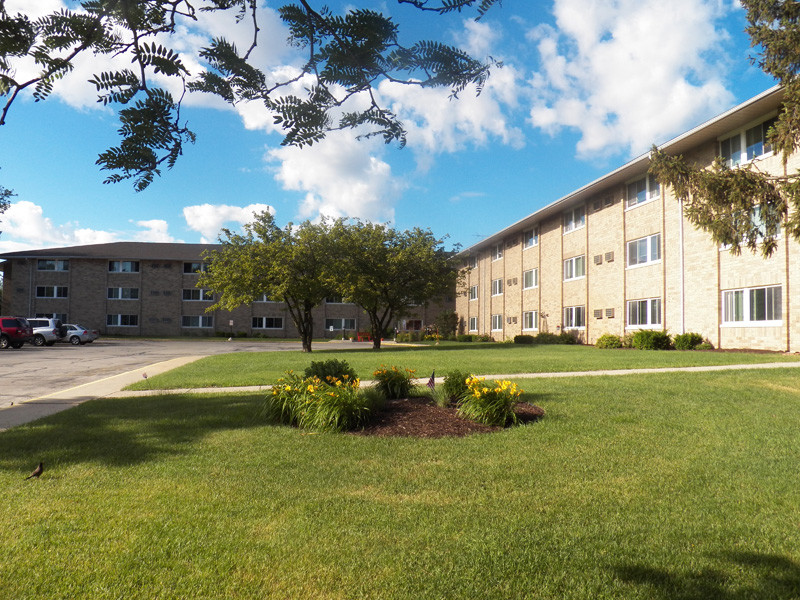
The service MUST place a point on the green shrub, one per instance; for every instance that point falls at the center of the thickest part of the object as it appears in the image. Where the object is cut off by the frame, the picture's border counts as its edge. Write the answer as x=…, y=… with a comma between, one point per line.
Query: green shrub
x=490, y=405
x=627, y=340
x=324, y=369
x=393, y=383
x=608, y=340
x=482, y=338
x=464, y=337
x=705, y=346
x=568, y=337
x=524, y=339
x=548, y=338
x=455, y=385
x=310, y=403
x=648, y=339
x=687, y=341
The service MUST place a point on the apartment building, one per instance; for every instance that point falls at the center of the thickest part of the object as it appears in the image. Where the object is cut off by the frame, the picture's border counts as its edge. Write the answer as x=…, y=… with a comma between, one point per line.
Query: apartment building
x=132, y=288
x=618, y=255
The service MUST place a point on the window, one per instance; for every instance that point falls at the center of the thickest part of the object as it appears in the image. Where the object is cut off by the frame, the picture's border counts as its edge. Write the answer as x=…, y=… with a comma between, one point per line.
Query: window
x=123, y=266
x=47, y=264
x=530, y=238
x=264, y=298
x=472, y=262
x=195, y=267
x=60, y=316
x=746, y=145
x=267, y=322
x=197, y=294
x=574, y=317
x=574, y=219
x=644, y=251
x=758, y=306
x=642, y=190
x=497, y=251
x=122, y=320
x=497, y=287
x=196, y=321
x=530, y=320
x=497, y=322
x=473, y=292
x=340, y=324
x=122, y=293
x=334, y=300
x=51, y=291
x=530, y=279
x=644, y=313
x=575, y=268
x=473, y=323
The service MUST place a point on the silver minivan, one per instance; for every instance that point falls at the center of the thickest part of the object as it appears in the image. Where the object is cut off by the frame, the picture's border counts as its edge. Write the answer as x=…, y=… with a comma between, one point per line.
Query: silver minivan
x=47, y=332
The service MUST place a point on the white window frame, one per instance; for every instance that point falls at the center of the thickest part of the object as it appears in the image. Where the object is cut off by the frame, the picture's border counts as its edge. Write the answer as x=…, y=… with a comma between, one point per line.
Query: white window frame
x=530, y=320
x=738, y=152
x=652, y=311
x=574, y=318
x=203, y=322
x=260, y=323
x=340, y=324
x=194, y=268
x=55, y=292
x=497, y=251
x=203, y=295
x=773, y=302
x=473, y=324
x=265, y=298
x=116, y=320
x=572, y=221
x=473, y=292
x=118, y=293
x=530, y=238
x=497, y=322
x=123, y=266
x=497, y=287
x=534, y=277
x=571, y=268
x=644, y=194
x=58, y=264
x=651, y=245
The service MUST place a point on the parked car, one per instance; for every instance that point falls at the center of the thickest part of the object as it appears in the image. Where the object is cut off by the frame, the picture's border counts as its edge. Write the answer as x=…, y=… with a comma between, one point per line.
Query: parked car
x=47, y=331
x=78, y=334
x=14, y=332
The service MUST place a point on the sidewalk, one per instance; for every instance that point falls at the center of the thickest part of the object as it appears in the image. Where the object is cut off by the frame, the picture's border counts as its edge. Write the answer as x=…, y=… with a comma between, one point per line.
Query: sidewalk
x=111, y=387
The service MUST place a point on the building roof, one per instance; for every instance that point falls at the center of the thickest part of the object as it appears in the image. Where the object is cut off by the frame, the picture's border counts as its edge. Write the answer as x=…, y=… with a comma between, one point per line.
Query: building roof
x=119, y=250
x=730, y=120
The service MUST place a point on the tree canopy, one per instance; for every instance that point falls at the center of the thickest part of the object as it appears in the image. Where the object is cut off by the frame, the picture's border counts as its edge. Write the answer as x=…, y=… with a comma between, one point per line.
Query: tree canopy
x=346, y=57
x=743, y=206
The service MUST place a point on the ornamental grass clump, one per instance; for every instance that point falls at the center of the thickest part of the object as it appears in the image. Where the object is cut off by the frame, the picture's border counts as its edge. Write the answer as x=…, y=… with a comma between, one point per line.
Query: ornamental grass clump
x=490, y=404
x=393, y=383
x=311, y=403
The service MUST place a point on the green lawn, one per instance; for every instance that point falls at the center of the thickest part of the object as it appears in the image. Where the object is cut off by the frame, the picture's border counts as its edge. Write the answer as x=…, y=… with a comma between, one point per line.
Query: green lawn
x=263, y=368
x=668, y=486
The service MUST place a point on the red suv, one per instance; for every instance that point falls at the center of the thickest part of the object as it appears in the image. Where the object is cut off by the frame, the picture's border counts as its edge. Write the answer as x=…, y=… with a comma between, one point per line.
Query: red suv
x=14, y=331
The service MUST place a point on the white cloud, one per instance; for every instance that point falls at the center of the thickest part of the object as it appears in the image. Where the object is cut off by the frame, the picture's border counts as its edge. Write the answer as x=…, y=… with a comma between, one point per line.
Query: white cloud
x=155, y=230
x=209, y=219
x=25, y=222
x=341, y=177
x=628, y=73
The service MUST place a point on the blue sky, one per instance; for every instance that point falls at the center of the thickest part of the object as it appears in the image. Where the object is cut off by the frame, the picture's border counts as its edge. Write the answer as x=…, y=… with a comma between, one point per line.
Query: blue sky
x=585, y=87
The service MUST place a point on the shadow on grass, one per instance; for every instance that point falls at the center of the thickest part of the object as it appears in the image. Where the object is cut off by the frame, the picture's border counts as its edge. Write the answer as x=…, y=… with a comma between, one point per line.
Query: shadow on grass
x=124, y=431
x=770, y=576
x=420, y=348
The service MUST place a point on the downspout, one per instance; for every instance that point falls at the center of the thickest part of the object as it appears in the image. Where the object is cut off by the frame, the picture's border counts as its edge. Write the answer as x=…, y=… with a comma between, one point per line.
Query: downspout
x=683, y=273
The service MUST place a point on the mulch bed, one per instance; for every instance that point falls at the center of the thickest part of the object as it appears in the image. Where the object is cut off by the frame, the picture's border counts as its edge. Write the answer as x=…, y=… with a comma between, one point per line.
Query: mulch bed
x=419, y=417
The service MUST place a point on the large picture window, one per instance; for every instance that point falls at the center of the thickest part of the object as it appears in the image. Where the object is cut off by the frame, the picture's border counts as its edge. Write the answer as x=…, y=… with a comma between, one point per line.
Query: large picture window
x=123, y=266
x=52, y=291
x=194, y=267
x=123, y=293
x=122, y=320
x=642, y=190
x=644, y=251
x=198, y=294
x=267, y=322
x=47, y=264
x=747, y=144
x=752, y=306
x=644, y=314
x=574, y=268
x=197, y=321
x=574, y=317
x=340, y=324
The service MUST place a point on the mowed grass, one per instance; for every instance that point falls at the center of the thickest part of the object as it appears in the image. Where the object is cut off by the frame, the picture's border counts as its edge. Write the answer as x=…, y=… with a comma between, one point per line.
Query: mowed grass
x=666, y=486
x=264, y=368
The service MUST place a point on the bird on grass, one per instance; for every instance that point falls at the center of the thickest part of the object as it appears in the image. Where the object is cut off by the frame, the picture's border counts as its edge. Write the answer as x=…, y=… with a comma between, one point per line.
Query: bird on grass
x=37, y=471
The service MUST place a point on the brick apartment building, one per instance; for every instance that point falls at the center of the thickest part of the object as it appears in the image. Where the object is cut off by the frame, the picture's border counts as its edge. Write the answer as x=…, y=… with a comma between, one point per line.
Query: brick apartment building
x=134, y=288
x=618, y=255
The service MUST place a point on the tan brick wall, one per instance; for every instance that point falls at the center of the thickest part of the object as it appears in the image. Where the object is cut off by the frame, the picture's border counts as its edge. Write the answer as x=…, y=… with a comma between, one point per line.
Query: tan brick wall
x=606, y=266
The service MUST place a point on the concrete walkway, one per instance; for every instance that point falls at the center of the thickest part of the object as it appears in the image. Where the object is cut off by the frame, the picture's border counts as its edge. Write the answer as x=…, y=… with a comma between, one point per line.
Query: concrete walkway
x=111, y=387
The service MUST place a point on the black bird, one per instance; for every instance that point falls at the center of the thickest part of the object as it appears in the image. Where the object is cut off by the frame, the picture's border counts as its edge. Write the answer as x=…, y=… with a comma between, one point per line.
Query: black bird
x=37, y=471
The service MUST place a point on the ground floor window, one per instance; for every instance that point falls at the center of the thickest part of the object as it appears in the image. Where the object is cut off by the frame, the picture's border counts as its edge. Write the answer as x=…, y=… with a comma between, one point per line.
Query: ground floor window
x=122, y=320
x=60, y=316
x=497, y=322
x=759, y=306
x=196, y=321
x=644, y=313
x=339, y=324
x=267, y=322
x=530, y=320
x=574, y=317
x=473, y=323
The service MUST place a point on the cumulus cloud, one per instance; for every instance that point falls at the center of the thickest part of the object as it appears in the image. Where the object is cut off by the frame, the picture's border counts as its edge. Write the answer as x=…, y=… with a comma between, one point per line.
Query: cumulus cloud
x=209, y=219
x=155, y=230
x=628, y=73
x=24, y=225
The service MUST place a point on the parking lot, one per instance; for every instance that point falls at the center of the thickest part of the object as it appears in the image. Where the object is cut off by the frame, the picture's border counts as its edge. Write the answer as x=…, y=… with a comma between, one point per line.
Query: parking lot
x=31, y=372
